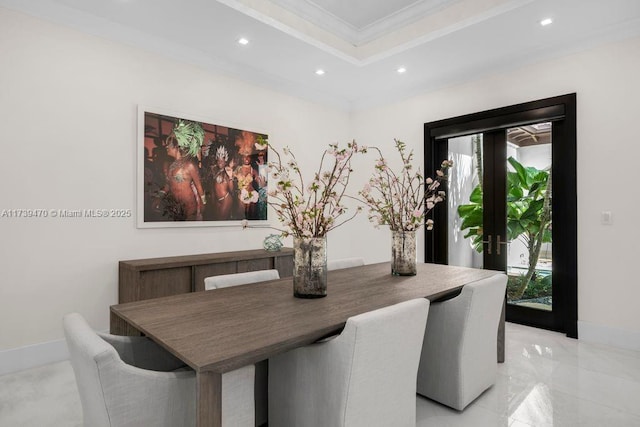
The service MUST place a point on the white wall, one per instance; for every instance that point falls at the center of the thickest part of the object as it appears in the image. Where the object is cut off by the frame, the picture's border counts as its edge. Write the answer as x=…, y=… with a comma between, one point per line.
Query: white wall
x=69, y=126
x=607, y=86
x=68, y=118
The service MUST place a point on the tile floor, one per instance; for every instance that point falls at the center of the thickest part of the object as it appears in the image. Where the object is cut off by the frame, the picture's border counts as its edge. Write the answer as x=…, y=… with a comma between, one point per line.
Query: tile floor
x=551, y=380
x=547, y=380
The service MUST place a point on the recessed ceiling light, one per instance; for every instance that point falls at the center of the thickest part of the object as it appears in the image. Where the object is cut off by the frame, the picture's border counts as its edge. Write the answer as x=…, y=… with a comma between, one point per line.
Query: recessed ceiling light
x=320, y=72
x=546, y=22
x=243, y=41
x=401, y=70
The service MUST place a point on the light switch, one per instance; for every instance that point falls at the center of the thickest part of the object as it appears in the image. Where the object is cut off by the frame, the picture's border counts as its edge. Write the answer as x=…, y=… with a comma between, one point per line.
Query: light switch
x=606, y=218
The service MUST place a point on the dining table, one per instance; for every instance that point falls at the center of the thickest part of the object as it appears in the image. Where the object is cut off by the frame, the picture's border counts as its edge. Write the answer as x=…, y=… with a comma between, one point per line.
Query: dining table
x=214, y=332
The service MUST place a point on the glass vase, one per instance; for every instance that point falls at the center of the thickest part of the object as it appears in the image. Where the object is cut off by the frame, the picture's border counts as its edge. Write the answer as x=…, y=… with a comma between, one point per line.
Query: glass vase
x=403, y=253
x=310, y=267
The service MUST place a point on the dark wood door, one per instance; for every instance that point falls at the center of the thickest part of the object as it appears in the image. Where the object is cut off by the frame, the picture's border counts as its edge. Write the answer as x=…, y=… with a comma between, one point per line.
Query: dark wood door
x=498, y=204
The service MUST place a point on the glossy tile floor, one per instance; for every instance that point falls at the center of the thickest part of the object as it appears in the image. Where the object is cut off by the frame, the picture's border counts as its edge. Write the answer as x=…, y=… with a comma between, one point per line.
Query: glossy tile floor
x=548, y=380
x=551, y=380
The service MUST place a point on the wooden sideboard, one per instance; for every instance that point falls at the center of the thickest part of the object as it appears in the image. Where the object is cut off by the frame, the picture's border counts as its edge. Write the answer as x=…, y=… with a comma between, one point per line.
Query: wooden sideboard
x=160, y=277
x=144, y=279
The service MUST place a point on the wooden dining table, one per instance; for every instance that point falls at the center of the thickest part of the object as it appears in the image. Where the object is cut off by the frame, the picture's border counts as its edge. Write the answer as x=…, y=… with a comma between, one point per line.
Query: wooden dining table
x=218, y=331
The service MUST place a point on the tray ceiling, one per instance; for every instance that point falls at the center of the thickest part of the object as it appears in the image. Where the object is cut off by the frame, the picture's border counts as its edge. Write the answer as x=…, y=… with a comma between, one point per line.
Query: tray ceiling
x=360, y=44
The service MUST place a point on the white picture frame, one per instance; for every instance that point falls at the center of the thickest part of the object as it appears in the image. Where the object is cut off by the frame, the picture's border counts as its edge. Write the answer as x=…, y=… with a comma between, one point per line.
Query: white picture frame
x=163, y=180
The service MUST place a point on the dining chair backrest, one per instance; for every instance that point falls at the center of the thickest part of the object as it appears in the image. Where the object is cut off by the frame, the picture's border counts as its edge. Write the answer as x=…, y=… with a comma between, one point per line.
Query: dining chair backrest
x=235, y=279
x=115, y=393
x=366, y=376
x=459, y=354
x=127, y=381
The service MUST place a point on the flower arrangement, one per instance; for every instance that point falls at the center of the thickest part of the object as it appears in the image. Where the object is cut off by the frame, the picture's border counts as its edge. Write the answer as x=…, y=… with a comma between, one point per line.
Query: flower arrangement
x=402, y=200
x=311, y=209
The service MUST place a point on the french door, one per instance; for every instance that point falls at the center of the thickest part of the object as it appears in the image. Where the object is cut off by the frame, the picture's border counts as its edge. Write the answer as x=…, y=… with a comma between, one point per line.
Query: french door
x=512, y=204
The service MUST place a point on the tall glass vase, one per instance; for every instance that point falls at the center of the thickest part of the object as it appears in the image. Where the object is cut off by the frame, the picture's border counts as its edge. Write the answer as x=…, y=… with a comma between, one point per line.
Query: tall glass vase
x=403, y=253
x=310, y=267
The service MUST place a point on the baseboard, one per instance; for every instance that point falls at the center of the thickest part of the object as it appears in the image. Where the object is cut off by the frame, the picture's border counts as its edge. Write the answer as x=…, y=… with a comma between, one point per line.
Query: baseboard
x=621, y=338
x=31, y=356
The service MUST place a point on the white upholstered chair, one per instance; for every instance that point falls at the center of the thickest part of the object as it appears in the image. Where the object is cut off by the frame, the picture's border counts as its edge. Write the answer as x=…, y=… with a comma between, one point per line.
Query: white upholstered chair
x=226, y=280
x=366, y=376
x=459, y=358
x=131, y=381
x=337, y=264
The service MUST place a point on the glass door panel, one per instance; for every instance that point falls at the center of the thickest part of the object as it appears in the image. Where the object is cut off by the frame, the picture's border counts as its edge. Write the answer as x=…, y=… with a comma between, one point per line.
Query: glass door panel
x=464, y=194
x=529, y=254
x=499, y=210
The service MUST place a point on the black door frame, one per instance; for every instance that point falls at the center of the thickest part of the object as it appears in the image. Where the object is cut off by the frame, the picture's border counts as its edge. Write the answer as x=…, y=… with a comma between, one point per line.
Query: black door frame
x=562, y=111
x=495, y=152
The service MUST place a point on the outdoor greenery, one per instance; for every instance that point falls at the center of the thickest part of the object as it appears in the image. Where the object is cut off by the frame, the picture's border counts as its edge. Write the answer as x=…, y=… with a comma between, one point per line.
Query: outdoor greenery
x=537, y=287
x=528, y=216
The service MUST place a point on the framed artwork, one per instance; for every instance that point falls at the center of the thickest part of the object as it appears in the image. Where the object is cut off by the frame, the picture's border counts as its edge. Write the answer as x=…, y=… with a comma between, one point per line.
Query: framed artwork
x=194, y=173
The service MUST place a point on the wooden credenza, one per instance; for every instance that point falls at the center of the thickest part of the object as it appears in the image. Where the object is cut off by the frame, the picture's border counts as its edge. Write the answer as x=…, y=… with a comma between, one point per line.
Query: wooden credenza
x=143, y=279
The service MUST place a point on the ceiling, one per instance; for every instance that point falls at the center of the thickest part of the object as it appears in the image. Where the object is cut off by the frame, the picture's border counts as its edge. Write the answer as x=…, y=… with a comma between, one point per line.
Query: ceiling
x=526, y=136
x=360, y=44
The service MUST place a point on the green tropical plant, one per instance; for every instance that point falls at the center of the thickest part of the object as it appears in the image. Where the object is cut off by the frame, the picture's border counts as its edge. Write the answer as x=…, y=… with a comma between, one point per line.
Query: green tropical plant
x=528, y=214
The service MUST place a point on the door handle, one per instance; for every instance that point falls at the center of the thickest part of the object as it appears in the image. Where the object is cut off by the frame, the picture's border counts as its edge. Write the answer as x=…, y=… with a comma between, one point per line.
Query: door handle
x=488, y=242
x=498, y=243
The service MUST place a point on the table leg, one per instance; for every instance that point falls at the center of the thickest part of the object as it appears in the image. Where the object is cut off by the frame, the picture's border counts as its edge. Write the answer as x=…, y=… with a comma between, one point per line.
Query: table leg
x=501, y=337
x=209, y=399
